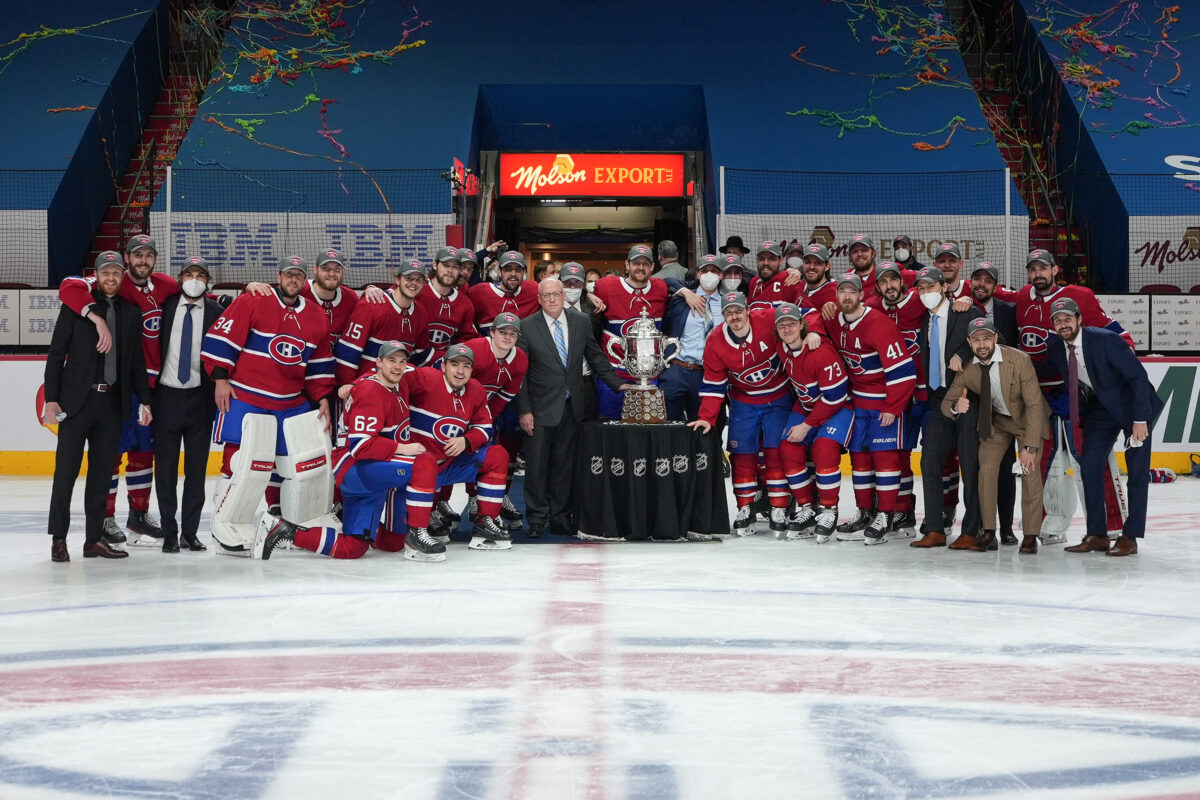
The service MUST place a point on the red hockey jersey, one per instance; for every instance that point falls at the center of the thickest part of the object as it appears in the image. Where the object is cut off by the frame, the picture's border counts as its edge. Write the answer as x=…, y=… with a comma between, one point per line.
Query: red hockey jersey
x=1033, y=317
x=275, y=353
x=817, y=297
x=489, y=300
x=448, y=319
x=882, y=374
x=908, y=315
x=376, y=418
x=437, y=414
x=371, y=325
x=748, y=371
x=624, y=303
x=818, y=380
x=76, y=294
x=337, y=311
x=501, y=377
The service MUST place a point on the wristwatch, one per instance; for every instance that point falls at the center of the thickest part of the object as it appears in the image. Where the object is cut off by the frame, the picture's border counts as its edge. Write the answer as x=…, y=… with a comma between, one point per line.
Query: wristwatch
x=1029, y=449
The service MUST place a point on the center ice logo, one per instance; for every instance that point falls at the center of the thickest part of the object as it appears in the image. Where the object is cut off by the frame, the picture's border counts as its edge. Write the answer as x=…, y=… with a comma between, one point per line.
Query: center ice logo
x=287, y=350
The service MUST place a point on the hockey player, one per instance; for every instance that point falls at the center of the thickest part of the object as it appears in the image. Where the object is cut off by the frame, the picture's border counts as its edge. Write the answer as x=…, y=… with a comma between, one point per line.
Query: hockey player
x=270, y=360
x=449, y=415
x=740, y=359
x=818, y=428
x=513, y=293
x=819, y=288
x=400, y=318
x=378, y=459
x=500, y=367
x=148, y=290
x=882, y=380
x=770, y=287
x=449, y=312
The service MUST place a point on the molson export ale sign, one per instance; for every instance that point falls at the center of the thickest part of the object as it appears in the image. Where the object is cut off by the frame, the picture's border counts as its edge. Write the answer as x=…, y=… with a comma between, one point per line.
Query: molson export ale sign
x=591, y=175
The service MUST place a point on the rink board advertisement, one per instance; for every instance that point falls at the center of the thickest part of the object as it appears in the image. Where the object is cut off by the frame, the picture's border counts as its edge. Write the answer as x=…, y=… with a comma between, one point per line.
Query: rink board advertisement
x=28, y=446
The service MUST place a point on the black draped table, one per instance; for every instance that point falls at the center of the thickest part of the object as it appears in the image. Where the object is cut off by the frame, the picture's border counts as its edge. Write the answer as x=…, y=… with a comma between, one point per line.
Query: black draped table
x=641, y=482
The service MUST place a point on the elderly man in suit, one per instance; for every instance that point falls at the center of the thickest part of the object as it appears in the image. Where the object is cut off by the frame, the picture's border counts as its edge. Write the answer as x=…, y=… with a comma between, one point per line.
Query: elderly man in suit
x=556, y=396
x=89, y=388
x=1108, y=393
x=1011, y=406
x=184, y=405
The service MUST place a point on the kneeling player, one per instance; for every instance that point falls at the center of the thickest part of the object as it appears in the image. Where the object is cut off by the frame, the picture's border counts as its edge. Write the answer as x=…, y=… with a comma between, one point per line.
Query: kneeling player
x=449, y=415
x=818, y=428
x=377, y=459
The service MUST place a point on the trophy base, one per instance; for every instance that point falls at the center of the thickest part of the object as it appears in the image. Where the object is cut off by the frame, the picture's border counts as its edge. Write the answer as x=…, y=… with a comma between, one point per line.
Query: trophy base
x=644, y=405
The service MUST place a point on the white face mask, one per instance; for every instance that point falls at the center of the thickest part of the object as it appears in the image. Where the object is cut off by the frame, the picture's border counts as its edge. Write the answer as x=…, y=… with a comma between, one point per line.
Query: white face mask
x=709, y=281
x=795, y=262
x=573, y=295
x=902, y=254
x=591, y=286
x=731, y=284
x=932, y=300
x=494, y=275
x=194, y=287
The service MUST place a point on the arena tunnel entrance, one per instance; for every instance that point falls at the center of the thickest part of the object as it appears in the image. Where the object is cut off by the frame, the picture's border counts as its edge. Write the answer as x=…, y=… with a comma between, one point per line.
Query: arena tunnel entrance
x=580, y=173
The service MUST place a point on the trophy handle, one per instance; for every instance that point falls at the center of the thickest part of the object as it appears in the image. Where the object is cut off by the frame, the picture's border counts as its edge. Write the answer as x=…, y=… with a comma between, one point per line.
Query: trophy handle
x=668, y=352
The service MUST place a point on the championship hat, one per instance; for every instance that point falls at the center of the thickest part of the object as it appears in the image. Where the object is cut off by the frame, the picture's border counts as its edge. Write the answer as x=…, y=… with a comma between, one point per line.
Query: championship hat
x=506, y=319
x=884, y=267
x=770, y=246
x=459, y=351
x=903, y=239
x=288, y=263
x=862, y=238
x=512, y=258
x=788, y=311
x=929, y=275
x=411, y=267
x=1039, y=255
x=985, y=266
x=1064, y=305
x=731, y=299
x=139, y=241
x=195, y=261
x=467, y=255
x=852, y=279
x=980, y=324
x=395, y=345
x=948, y=247
x=640, y=251
x=572, y=271
x=106, y=258
x=331, y=256
x=446, y=254
x=710, y=260
x=817, y=249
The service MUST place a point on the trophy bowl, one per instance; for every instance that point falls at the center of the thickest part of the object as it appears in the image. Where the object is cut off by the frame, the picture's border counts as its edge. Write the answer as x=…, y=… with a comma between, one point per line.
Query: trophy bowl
x=644, y=360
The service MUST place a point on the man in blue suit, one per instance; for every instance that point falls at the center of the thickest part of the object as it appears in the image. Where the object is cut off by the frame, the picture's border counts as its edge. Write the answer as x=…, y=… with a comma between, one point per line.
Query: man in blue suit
x=1112, y=395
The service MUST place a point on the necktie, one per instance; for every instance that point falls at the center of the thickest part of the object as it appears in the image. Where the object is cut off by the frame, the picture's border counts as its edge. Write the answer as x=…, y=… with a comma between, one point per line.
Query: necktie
x=110, y=358
x=560, y=342
x=184, y=373
x=984, y=426
x=1073, y=398
x=935, y=354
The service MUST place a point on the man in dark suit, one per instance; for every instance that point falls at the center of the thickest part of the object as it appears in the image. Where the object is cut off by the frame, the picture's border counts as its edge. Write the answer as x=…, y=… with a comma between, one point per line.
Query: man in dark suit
x=558, y=393
x=944, y=350
x=184, y=405
x=1003, y=315
x=1108, y=393
x=88, y=393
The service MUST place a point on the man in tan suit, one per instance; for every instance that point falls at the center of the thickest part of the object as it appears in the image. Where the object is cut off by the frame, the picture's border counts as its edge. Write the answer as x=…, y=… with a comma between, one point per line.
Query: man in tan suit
x=1004, y=379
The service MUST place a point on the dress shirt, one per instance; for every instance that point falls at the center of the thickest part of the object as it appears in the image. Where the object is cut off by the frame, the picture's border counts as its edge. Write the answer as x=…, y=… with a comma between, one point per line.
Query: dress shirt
x=1084, y=378
x=587, y=369
x=997, y=392
x=170, y=368
x=698, y=327
x=943, y=315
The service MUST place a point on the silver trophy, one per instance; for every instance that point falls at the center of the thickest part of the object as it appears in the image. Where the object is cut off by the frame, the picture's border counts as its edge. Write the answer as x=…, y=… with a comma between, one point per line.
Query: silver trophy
x=645, y=358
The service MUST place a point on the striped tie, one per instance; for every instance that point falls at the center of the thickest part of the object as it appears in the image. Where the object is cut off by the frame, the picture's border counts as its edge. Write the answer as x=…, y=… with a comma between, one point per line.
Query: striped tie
x=560, y=342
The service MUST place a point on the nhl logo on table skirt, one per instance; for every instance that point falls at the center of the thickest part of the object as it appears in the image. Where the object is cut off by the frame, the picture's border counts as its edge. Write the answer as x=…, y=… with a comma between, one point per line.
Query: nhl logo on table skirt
x=662, y=467
x=597, y=465
x=680, y=463
x=617, y=466
x=639, y=467
x=701, y=462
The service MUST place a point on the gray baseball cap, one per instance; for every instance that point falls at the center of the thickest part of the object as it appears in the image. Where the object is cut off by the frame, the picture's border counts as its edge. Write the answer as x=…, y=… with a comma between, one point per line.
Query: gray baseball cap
x=506, y=319
x=106, y=258
x=395, y=345
x=861, y=238
x=195, y=261
x=288, y=263
x=459, y=351
x=410, y=267
x=1039, y=255
x=731, y=299
x=980, y=324
x=984, y=266
x=572, y=271
x=640, y=251
x=467, y=255
x=852, y=279
x=710, y=260
x=884, y=267
x=770, y=246
x=930, y=275
x=788, y=311
x=817, y=249
x=446, y=254
x=139, y=241
x=948, y=247
x=331, y=256
x=1064, y=305
x=512, y=258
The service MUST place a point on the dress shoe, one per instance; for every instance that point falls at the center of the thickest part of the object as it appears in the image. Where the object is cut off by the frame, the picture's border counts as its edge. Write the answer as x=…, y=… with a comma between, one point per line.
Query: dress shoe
x=1090, y=544
x=965, y=541
x=1123, y=546
x=930, y=539
x=1007, y=538
x=1030, y=544
x=535, y=531
x=102, y=549
x=58, y=550
x=192, y=542
x=170, y=543
x=984, y=542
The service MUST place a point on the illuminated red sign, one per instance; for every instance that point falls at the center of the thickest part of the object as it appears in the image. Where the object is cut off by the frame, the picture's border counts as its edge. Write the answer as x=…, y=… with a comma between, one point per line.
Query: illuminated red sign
x=591, y=175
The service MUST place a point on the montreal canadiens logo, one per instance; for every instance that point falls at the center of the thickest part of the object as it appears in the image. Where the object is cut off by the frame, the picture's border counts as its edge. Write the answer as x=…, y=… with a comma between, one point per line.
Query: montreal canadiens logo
x=758, y=375
x=440, y=334
x=1033, y=339
x=287, y=350
x=853, y=362
x=447, y=428
x=151, y=322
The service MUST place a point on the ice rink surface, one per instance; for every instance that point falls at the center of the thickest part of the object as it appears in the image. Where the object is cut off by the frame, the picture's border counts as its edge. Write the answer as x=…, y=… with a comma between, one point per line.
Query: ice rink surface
x=746, y=669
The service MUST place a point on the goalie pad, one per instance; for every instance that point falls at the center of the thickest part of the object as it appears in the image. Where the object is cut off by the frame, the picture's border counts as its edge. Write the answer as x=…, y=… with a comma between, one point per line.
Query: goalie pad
x=306, y=496
x=238, y=496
